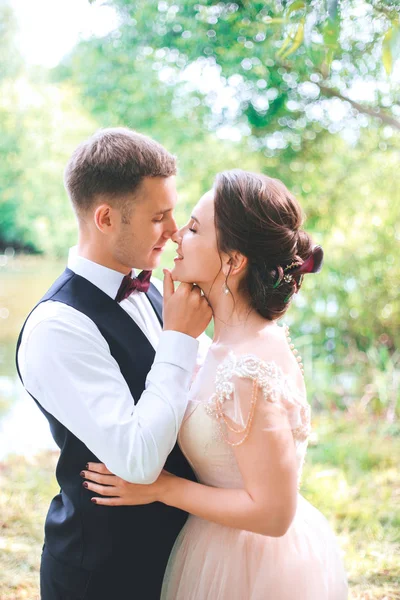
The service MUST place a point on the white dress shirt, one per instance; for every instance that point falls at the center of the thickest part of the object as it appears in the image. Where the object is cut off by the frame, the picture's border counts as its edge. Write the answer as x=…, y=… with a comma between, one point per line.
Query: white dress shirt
x=67, y=366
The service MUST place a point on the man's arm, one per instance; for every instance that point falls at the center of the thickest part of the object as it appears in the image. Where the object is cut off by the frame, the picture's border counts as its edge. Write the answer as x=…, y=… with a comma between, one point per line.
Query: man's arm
x=66, y=365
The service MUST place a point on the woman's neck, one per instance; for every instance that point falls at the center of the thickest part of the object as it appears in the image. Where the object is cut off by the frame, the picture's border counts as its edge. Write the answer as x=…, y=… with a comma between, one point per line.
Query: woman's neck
x=234, y=319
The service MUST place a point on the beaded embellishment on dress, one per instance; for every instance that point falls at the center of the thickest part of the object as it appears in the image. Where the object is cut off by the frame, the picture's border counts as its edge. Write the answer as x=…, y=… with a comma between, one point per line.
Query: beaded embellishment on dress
x=268, y=378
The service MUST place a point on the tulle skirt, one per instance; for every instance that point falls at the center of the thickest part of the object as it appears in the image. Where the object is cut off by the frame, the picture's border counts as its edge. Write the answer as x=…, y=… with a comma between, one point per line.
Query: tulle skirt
x=213, y=562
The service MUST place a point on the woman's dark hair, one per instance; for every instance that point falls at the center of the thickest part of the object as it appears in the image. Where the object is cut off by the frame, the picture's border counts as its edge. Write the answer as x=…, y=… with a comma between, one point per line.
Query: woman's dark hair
x=257, y=216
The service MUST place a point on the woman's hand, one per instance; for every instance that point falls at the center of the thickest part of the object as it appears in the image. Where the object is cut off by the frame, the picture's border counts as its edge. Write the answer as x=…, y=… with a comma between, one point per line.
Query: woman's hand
x=118, y=492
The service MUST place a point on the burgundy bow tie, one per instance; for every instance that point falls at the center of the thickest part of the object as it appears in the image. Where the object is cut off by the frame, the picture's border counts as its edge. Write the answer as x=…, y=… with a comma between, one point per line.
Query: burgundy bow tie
x=141, y=283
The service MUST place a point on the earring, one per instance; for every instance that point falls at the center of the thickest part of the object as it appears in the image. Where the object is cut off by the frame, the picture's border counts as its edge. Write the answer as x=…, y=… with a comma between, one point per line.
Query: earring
x=225, y=289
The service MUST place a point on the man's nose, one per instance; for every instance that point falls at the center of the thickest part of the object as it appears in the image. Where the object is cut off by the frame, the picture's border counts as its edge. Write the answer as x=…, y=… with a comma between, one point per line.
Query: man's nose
x=174, y=228
x=171, y=229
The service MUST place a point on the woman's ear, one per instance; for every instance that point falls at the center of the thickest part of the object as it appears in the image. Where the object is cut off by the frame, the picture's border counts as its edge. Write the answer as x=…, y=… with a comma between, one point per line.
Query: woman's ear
x=233, y=264
x=238, y=263
x=226, y=261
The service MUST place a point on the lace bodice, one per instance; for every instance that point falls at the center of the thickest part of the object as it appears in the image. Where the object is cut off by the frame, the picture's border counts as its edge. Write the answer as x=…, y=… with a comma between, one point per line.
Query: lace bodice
x=224, y=398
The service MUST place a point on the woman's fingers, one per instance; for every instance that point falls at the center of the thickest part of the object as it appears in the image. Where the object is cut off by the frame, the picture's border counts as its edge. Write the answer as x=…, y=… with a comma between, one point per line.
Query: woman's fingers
x=98, y=478
x=104, y=490
x=108, y=501
x=98, y=468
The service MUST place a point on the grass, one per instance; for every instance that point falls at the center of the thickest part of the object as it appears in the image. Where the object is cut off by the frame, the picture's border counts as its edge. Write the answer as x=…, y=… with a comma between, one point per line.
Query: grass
x=26, y=488
x=351, y=475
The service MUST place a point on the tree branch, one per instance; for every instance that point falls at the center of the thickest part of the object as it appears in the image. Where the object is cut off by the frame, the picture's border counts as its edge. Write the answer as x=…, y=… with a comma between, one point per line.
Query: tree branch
x=377, y=114
x=391, y=14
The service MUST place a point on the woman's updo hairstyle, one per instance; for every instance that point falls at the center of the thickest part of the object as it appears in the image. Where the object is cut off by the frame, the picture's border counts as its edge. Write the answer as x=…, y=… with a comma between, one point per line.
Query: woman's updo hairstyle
x=258, y=217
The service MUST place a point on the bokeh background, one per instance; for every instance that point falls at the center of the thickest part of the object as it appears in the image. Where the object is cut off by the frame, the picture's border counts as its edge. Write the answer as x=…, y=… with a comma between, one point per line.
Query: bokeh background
x=306, y=91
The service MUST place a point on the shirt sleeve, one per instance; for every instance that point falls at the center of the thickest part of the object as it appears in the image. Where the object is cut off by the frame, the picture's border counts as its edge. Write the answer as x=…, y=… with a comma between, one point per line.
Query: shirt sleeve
x=66, y=365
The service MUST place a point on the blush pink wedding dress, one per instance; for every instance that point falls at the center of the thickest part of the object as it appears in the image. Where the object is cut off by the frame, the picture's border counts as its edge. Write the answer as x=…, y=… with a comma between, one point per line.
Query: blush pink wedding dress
x=214, y=562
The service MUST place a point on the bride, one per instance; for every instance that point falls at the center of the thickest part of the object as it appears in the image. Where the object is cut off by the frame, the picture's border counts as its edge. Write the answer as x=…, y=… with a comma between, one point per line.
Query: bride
x=250, y=534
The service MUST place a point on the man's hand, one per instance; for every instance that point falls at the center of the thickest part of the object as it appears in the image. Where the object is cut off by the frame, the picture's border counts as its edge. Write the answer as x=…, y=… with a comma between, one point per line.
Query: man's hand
x=185, y=309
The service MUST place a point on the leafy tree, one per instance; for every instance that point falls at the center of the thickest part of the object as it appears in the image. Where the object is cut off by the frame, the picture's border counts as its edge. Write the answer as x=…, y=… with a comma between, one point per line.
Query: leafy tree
x=51, y=124
x=41, y=123
x=10, y=65
x=289, y=69
x=347, y=317
x=181, y=73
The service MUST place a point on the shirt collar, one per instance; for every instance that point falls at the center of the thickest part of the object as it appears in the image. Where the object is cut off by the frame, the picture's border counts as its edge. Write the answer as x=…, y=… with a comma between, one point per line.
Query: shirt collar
x=107, y=280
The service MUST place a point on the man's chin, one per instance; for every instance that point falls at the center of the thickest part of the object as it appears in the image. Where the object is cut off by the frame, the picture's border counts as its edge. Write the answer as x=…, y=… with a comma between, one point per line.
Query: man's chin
x=153, y=262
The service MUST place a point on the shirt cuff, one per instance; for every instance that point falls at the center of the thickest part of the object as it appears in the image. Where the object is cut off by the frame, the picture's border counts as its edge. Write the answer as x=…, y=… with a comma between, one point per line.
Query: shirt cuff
x=177, y=349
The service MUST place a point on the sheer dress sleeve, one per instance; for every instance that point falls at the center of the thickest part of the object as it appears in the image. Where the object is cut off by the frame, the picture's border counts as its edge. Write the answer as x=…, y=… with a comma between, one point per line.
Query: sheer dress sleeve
x=250, y=392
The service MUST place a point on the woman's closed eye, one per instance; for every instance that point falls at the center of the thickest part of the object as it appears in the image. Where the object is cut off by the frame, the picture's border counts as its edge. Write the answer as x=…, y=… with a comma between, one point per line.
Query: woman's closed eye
x=191, y=227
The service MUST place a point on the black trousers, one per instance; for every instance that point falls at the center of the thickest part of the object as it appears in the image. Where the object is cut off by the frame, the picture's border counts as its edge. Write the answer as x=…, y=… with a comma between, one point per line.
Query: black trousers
x=118, y=581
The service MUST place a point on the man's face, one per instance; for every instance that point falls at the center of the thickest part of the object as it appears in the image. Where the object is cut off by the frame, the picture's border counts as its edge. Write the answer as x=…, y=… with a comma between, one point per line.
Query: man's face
x=139, y=240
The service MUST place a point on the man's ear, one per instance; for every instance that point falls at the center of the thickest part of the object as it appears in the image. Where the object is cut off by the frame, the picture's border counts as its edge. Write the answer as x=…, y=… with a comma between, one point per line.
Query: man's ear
x=103, y=218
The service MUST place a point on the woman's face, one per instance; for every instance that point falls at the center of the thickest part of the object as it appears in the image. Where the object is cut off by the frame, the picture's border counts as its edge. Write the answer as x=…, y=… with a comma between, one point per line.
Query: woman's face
x=198, y=260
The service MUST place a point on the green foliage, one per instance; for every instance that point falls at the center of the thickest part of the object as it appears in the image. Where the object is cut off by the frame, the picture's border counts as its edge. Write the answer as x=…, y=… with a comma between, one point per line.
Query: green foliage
x=41, y=126
x=41, y=123
x=281, y=62
x=166, y=74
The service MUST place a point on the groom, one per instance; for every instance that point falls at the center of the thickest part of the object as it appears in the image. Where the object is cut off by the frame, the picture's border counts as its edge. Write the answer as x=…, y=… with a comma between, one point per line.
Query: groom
x=110, y=379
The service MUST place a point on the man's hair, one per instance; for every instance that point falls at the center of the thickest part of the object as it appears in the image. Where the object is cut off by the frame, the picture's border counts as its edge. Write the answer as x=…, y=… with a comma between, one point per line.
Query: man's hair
x=112, y=164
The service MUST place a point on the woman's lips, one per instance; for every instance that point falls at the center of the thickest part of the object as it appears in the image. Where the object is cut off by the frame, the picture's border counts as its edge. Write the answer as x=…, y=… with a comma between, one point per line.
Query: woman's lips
x=178, y=257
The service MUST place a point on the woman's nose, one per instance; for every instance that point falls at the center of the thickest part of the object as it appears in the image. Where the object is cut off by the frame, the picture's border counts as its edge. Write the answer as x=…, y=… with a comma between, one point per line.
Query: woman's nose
x=177, y=237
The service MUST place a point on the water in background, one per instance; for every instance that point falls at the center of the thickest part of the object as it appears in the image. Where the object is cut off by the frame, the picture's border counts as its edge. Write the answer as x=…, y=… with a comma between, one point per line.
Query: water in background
x=23, y=281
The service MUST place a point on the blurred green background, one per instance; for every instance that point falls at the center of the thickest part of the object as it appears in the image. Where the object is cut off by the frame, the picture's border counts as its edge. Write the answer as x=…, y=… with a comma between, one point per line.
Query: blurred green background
x=308, y=92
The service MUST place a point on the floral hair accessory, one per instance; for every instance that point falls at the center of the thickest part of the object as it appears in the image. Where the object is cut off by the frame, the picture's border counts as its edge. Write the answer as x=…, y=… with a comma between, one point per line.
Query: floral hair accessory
x=312, y=264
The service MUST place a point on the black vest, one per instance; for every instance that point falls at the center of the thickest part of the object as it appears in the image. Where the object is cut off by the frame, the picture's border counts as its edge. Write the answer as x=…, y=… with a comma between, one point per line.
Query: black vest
x=77, y=532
